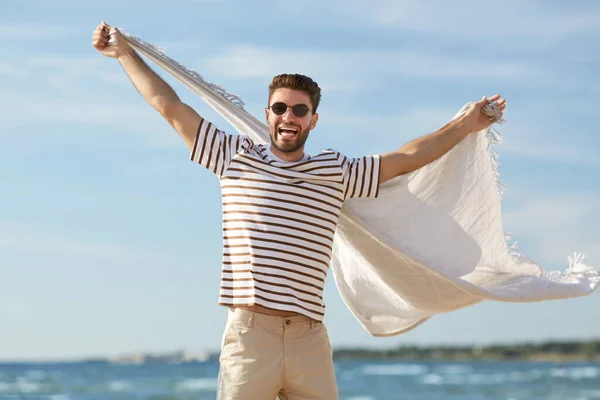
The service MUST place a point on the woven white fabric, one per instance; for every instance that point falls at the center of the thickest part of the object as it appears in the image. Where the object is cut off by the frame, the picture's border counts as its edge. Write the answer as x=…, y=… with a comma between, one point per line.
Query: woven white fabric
x=431, y=243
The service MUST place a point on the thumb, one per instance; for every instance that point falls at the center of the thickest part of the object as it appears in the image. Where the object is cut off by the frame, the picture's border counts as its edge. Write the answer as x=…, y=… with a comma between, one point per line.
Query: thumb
x=482, y=102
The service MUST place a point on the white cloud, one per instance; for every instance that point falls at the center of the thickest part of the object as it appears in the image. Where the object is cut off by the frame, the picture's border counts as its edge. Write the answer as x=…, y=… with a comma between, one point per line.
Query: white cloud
x=551, y=148
x=15, y=309
x=118, y=78
x=555, y=224
x=65, y=63
x=552, y=211
x=413, y=122
x=30, y=242
x=349, y=69
x=158, y=168
x=470, y=19
x=66, y=71
x=85, y=111
x=30, y=31
x=63, y=74
x=530, y=133
x=9, y=69
x=116, y=117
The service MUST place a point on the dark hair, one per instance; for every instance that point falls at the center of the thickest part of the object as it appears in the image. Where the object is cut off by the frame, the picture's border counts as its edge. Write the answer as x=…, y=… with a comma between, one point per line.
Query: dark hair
x=297, y=82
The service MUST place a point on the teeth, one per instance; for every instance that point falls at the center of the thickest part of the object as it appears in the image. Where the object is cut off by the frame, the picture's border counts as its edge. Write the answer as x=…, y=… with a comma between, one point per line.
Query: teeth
x=288, y=132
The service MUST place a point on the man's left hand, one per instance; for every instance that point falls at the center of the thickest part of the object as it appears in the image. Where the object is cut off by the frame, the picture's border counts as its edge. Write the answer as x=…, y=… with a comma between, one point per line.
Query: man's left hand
x=476, y=120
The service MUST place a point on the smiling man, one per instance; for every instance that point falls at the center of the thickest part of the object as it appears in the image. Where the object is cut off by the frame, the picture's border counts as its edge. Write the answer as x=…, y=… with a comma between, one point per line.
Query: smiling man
x=280, y=210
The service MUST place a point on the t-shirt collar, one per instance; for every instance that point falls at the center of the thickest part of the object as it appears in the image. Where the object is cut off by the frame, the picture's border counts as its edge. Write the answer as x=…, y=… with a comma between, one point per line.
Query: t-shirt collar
x=274, y=157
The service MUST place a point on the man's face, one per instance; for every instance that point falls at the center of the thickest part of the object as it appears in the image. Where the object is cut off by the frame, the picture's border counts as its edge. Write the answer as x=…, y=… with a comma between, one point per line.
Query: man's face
x=289, y=132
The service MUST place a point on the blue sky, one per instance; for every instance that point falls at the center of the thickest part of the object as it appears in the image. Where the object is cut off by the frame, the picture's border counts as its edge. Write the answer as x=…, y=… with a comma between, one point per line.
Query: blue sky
x=110, y=238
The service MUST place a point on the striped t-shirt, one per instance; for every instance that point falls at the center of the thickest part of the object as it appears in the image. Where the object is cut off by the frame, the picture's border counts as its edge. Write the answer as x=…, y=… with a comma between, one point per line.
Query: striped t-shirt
x=279, y=218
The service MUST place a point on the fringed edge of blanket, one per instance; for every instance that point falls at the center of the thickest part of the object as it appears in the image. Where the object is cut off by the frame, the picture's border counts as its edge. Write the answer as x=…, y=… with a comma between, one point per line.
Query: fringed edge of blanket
x=158, y=52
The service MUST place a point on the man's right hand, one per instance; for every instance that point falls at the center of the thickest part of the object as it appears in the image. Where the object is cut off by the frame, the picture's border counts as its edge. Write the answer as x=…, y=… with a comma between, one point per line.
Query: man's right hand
x=103, y=34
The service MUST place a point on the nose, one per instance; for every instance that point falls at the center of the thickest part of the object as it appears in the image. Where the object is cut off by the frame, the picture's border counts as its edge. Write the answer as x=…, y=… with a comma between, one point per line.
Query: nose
x=288, y=115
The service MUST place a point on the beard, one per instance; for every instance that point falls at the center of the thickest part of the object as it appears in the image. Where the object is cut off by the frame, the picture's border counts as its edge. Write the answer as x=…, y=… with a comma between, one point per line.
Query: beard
x=288, y=146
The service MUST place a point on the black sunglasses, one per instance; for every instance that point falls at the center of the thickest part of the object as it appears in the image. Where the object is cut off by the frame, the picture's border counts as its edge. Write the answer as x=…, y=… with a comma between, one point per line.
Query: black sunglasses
x=299, y=110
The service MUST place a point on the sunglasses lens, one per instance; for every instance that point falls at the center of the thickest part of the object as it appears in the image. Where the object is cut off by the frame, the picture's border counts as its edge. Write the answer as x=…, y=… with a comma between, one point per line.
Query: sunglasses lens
x=279, y=108
x=300, y=110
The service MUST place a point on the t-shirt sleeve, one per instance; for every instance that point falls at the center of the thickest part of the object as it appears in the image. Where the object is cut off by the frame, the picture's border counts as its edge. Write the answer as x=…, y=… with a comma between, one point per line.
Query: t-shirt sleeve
x=214, y=148
x=361, y=176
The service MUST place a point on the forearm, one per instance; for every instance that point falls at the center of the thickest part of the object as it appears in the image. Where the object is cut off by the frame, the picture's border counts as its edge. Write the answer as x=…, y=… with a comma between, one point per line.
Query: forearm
x=424, y=150
x=429, y=148
x=151, y=86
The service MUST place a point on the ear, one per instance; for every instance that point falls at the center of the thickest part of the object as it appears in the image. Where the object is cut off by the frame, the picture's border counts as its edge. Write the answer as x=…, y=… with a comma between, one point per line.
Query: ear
x=267, y=114
x=313, y=121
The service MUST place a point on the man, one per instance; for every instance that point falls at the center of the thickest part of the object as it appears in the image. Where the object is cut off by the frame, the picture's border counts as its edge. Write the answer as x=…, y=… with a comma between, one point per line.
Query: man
x=280, y=210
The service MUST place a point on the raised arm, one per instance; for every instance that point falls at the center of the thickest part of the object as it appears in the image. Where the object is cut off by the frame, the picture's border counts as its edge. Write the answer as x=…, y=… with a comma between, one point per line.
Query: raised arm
x=153, y=88
x=424, y=150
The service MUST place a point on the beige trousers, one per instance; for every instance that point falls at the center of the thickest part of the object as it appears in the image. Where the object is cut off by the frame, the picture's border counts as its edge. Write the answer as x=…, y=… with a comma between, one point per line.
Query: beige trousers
x=263, y=357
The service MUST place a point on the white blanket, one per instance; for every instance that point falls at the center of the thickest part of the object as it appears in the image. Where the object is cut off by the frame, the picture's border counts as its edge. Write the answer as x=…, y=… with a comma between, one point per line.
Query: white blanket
x=431, y=243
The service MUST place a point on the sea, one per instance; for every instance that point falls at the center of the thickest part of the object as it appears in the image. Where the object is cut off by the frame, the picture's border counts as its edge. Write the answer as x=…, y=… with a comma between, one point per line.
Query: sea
x=357, y=380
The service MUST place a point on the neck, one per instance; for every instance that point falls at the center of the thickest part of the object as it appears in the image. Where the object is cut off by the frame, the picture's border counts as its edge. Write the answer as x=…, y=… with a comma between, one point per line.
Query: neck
x=288, y=156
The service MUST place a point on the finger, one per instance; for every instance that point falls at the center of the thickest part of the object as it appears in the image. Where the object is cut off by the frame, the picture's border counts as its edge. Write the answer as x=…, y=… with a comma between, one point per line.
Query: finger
x=97, y=32
x=99, y=44
x=494, y=97
x=501, y=101
x=106, y=28
x=99, y=37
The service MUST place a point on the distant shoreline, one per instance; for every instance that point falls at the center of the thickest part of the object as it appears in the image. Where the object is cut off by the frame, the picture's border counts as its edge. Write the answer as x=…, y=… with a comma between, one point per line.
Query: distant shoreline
x=550, y=351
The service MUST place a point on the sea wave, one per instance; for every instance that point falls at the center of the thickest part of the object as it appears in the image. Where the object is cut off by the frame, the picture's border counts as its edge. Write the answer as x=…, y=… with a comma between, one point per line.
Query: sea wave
x=495, y=378
x=36, y=375
x=575, y=373
x=591, y=394
x=120, y=386
x=25, y=386
x=433, y=379
x=196, y=385
x=360, y=398
x=454, y=369
x=395, y=369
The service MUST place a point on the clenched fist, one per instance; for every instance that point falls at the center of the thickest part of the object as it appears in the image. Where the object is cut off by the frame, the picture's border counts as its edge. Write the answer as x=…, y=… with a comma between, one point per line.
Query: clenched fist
x=477, y=120
x=117, y=47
